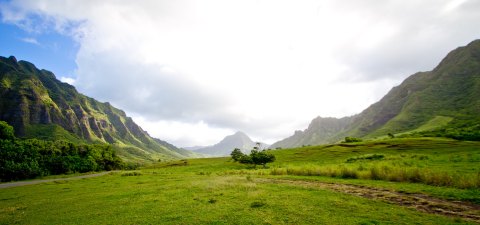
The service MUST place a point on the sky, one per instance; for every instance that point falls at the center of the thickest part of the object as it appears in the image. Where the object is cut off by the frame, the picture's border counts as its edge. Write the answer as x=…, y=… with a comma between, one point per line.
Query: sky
x=192, y=72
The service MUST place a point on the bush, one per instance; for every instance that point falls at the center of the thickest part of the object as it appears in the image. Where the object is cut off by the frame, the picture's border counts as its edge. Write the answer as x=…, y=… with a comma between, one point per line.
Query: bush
x=352, y=139
x=6, y=131
x=130, y=174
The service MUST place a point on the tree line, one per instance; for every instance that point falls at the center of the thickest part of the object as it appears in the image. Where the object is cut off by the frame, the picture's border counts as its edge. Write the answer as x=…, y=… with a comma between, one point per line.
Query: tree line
x=30, y=158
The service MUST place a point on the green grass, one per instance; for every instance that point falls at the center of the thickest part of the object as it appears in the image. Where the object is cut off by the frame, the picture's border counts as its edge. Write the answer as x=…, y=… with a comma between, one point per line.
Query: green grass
x=436, y=122
x=219, y=191
x=50, y=132
x=173, y=197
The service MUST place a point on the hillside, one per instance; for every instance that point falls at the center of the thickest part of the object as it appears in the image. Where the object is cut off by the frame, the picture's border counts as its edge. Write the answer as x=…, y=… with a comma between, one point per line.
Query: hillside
x=39, y=106
x=447, y=99
x=225, y=147
x=320, y=130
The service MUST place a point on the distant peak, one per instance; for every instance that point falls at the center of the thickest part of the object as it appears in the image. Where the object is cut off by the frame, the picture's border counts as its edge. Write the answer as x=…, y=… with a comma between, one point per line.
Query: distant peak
x=239, y=133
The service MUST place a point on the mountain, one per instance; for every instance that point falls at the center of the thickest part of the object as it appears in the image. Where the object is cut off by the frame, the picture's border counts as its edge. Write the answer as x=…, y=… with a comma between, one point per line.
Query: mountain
x=225, y=147
x=446, y=99
x=194, y=148
x=39, y=106
x=320, y=130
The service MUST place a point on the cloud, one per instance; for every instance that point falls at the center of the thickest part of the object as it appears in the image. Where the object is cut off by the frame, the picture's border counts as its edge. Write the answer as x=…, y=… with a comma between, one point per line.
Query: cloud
x=196, y=71
x=68, y=80
x=30, y=40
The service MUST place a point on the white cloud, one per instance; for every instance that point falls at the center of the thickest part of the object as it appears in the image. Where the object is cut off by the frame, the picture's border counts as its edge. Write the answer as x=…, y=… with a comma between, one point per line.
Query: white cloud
x=67, y=80
x=30, y=40
x=195, y=71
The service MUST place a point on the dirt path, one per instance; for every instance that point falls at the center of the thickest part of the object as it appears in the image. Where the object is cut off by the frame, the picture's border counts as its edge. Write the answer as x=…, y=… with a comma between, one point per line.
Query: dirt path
x=420, y=202
x=23, y=183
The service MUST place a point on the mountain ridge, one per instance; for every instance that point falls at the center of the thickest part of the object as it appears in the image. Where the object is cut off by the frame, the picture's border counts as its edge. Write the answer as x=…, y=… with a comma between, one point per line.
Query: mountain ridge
x=450, y=90
x=38, y=105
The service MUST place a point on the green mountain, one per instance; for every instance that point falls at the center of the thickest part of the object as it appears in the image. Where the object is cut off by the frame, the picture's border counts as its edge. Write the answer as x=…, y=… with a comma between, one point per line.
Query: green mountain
x=445, y=100
x=320, y=130
x=39, y=106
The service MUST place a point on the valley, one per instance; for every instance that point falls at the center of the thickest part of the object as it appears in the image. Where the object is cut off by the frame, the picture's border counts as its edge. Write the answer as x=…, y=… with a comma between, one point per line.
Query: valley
x=293, y=189
x=393, y=90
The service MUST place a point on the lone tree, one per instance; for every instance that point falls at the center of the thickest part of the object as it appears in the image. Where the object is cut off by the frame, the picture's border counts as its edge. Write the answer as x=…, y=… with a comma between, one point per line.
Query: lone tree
x=256, y=156
x=236, y=154
x=261, y=157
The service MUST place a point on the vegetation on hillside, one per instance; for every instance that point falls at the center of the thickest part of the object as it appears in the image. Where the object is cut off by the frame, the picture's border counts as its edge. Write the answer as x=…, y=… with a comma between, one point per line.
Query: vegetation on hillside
x=39, y=106
x=30, y=158
x=221, y=191
x=443, y=102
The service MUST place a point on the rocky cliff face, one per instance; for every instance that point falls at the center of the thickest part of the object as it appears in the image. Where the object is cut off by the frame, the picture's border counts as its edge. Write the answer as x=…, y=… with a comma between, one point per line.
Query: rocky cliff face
x=35, y=103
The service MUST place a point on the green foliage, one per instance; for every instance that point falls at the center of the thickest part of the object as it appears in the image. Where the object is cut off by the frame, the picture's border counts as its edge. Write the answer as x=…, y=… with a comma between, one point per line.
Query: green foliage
x=6, y=131
x=390, y=135
x=42, y=107
x=352, y=139
x=261, y=157
x=256, y=157
x=471, y=133
x=236, y=154
x=247, y=196
x=24, y=159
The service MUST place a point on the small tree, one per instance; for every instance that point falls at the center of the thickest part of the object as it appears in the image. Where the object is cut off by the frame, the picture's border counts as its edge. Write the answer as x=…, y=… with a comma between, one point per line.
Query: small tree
x=391, y=135
x=236, y=154
x=261, y=157
x=256, y=157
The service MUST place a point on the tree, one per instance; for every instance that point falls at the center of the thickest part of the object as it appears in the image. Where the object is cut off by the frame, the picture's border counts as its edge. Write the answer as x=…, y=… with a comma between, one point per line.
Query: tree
x=6, y=131
x=236, y=154
x=391, y=135
x=261, y=157
x=256, y=157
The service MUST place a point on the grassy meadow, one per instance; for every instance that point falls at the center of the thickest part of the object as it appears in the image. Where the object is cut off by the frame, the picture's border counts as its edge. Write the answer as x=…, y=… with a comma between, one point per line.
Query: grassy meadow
x=219, y=191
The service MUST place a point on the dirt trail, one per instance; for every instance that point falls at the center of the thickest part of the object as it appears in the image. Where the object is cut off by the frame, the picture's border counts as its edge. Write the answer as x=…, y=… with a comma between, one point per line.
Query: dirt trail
x=424, y=203
x=23, y=183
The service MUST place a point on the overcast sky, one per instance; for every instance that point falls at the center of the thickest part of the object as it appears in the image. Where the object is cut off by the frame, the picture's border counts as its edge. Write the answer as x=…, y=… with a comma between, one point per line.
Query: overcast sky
x=192, y=72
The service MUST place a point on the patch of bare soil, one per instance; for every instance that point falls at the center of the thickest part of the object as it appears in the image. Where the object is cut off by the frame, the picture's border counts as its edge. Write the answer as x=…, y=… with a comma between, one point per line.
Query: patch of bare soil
x=421, y=202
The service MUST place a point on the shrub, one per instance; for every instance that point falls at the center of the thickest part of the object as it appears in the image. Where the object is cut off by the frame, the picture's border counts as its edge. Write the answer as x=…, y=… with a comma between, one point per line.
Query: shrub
x=257, y=204
x=130, y=174
x=6, y=131
x=352, y=139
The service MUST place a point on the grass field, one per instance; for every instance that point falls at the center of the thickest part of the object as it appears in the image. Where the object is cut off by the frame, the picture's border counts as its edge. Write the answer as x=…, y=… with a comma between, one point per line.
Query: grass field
x=218, y=191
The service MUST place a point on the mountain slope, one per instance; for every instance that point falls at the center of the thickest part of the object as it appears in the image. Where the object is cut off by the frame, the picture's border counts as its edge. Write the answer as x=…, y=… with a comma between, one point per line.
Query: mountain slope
x=225, y=147
x=450, y=91
x=38, y=105
x=320, y=130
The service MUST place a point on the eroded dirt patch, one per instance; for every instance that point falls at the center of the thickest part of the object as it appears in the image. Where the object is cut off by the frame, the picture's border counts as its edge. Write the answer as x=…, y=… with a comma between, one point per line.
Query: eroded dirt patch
x=424, y=203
